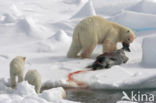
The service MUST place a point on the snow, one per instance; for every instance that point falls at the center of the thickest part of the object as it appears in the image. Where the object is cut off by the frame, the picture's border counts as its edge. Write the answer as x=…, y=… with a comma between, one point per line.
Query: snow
x=25, y=89
x=25, y=93
x=28, y=26
x=135, y=20
x=53, y=94
x=42, y=31
x=145, y=6
x=149, y=56
x=86, y=10
x=112, y=7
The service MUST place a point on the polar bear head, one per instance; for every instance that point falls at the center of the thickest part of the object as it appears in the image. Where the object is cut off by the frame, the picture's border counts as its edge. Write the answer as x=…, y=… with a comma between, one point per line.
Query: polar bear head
x=127, y=35
x=22, y=58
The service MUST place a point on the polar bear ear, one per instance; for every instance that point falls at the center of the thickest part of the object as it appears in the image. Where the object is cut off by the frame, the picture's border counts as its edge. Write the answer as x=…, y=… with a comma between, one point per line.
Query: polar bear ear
x=24, y=58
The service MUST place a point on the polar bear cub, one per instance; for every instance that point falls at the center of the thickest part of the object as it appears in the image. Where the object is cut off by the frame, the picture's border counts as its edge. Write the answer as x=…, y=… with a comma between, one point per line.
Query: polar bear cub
x=34, y=78
x=17, y=69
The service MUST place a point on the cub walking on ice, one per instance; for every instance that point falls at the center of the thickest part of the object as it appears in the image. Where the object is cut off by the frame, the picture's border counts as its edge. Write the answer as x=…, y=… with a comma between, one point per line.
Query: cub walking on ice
x=17, y=69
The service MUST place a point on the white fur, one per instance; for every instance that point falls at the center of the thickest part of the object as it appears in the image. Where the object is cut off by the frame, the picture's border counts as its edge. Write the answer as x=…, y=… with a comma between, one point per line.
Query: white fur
x=95, y=30
x=34, y=78
x=17, y=69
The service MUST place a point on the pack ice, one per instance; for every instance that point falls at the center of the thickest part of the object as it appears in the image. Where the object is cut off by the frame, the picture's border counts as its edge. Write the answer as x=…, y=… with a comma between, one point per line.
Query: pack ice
x=42, y=30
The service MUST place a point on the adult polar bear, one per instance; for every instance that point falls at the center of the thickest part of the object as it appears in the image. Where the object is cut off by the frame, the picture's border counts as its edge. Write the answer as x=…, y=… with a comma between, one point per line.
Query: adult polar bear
x=95, y=30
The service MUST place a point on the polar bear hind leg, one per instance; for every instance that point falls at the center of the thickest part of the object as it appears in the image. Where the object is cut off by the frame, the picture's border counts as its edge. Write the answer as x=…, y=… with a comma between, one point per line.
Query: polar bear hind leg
x=13, y=81
x=74, y=49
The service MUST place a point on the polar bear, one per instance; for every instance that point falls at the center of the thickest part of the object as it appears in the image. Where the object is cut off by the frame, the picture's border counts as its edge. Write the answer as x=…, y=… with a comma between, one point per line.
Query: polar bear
x=34, y=78
x=95, y=30
x=17, y=69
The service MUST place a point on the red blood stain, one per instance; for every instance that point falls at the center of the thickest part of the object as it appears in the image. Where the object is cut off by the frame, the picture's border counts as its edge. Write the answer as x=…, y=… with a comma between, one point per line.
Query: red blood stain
x=70, y=77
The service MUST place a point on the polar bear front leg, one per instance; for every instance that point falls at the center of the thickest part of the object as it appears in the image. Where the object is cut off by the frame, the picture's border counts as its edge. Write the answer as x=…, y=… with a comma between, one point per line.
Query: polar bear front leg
x=87, y=51
x=109, y=46
x=74, y=49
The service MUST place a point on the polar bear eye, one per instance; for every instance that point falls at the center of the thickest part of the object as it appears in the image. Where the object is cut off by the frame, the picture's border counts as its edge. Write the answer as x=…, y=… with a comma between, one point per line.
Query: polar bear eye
x=127, y=31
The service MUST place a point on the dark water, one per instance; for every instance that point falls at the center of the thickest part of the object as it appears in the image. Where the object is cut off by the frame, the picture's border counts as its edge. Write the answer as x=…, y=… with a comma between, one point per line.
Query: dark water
x=106, y=96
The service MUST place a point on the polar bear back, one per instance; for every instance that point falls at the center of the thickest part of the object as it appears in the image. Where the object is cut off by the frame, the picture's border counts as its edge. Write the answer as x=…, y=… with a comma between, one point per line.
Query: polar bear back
x=17, y=65
x=33, y=77
x=93, y=27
